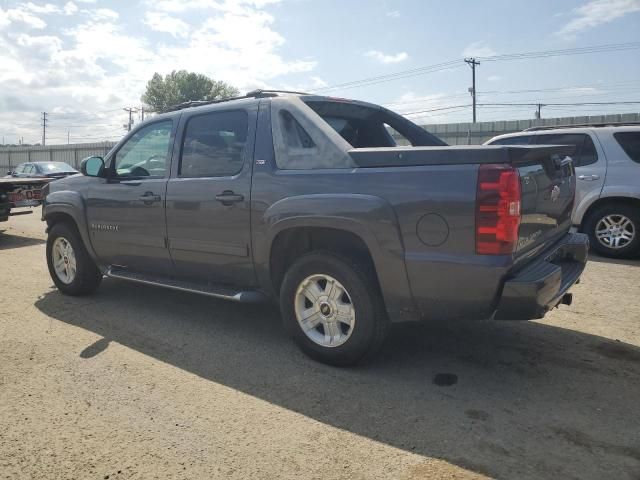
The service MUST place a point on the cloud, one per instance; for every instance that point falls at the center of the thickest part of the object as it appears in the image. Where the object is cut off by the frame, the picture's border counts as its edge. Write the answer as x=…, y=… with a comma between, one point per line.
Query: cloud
x=70, y=8
x=161, y=22
x=46, y=8
x=386, y=58
x=494, y=78
x=597, y=12
x=21, y=16
x=393, y=14
x=478, y=49
x=93, y=61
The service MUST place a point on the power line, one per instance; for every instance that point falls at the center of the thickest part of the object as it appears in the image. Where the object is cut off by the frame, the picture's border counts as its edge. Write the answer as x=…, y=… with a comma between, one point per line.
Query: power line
x=492, y=58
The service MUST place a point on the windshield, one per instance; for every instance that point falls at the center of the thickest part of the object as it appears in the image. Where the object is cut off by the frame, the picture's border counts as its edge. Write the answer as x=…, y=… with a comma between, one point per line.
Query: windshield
x=55, y=167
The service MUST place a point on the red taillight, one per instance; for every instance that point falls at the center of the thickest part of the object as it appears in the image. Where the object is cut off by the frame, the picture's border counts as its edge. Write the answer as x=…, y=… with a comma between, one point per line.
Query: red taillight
x=497, y=209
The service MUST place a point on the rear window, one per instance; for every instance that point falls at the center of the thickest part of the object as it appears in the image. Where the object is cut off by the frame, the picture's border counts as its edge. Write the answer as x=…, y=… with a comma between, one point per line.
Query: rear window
x=585, y=153
x=369, y=126
x=630, y=143
x=519, y=140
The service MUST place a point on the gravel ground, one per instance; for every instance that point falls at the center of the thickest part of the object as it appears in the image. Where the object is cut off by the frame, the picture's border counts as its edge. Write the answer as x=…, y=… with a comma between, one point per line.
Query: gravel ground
x=136, y=382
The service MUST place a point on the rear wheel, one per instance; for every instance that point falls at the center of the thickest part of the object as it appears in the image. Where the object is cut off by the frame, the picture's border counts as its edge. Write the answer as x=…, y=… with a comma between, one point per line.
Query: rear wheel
x=333, y=309
x=70, y=266
x=614, y=230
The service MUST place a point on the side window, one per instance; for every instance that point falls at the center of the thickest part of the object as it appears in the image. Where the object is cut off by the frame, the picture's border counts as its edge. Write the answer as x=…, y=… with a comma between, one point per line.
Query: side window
x=214, y=144
x=588, y=155
x=519, y=140
x=19, y=169
x=399, y=139
x=29, y=169
x=146, y=153
x=585, y=153
x=630, y=143
x=293, y=135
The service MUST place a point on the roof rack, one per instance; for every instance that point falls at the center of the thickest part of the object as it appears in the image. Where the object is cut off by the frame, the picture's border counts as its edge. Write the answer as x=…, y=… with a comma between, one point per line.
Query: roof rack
x=260, y=93
x=267, y=92
x=583, y=125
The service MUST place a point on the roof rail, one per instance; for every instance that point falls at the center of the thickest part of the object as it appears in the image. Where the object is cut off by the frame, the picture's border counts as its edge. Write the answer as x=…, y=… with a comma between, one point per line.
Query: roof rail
x=268, y=92
x=260, y=93
x=582, y=125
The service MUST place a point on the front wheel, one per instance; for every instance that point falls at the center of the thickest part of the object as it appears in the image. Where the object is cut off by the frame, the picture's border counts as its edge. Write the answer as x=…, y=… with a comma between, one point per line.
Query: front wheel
x=614, y=230
x=333, y=309
x=70, y=266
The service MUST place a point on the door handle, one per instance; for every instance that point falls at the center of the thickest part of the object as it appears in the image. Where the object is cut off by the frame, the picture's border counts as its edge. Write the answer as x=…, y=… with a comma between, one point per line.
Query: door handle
x=588, y=178
x=228, y=198
x=149, y=197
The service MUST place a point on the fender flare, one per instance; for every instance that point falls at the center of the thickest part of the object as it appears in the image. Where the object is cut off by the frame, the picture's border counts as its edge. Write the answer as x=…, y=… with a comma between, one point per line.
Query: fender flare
x=370, y=218
x=70, y=204
x=608, y=193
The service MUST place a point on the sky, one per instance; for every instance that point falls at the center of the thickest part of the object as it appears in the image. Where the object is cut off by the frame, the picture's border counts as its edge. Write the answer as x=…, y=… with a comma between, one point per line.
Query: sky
x=84, y=61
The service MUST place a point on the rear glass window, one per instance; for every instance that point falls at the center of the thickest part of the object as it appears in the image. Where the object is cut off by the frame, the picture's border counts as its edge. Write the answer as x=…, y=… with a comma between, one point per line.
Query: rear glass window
x=585, y=153
x=294, y=135
x=630, y=143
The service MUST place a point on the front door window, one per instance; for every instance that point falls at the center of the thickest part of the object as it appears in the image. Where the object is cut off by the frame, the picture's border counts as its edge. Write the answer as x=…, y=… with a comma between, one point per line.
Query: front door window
x=146, y=153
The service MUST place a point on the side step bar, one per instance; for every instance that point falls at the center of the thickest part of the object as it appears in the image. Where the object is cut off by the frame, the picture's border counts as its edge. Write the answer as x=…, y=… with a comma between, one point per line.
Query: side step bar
x=226, y=293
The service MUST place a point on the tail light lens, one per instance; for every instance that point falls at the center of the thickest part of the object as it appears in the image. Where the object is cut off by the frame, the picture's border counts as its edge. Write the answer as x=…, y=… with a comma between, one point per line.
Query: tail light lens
x=497, y=209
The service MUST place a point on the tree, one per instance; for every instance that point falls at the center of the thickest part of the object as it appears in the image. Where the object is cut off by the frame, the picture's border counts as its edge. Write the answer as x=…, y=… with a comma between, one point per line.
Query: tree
x=182, y=86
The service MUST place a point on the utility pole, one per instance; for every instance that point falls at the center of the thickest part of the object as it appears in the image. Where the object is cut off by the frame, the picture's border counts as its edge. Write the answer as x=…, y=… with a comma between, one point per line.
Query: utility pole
x=128, y=125
x=538, y=112
x=473, y=62
x=44, y=128
x=68, y=133
x=142, y=113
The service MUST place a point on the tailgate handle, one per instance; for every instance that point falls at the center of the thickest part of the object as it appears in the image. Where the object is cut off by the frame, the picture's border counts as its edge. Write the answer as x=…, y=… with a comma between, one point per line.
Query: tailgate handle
x=588, y=178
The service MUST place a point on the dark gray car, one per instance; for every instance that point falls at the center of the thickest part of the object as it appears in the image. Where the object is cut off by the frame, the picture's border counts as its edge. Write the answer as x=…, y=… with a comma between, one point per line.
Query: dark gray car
x=307, y=201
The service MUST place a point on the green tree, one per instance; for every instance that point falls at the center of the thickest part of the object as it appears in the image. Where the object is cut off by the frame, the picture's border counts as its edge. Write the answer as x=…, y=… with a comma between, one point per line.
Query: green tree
x=182, y=86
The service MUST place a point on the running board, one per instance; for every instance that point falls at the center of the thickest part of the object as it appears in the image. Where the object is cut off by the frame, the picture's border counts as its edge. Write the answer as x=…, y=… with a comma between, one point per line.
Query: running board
x=226, y=293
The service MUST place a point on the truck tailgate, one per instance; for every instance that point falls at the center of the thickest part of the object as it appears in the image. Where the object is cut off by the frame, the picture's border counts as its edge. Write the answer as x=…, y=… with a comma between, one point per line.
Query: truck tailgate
x=547, y=182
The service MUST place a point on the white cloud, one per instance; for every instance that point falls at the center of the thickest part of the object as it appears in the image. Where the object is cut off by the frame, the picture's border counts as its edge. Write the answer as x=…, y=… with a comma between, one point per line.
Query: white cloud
x=393, y=14
x=494, y=78
x=103, y=14
x=597, y=12
x=387, y=58
x=23, y=16
x=70, y=8
x=161, y=22
x=478, y=49
x=46, y=8
x=97, y=63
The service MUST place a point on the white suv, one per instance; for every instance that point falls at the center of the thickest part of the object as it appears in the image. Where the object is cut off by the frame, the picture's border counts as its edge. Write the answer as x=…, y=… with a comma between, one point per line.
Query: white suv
x=607, y=161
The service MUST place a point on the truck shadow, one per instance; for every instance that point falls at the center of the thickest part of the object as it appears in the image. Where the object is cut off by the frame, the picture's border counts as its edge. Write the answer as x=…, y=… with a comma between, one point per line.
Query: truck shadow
x=523, y=399
x=9, y=241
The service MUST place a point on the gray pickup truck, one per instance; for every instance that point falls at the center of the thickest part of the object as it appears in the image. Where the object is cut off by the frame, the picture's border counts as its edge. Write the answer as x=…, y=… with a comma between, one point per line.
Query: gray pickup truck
x=308, y=201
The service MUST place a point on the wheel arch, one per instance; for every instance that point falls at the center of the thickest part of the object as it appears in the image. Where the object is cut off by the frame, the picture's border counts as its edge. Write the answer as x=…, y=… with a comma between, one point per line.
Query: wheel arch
x=68, y=207
x=361, y=225
x=602, y=201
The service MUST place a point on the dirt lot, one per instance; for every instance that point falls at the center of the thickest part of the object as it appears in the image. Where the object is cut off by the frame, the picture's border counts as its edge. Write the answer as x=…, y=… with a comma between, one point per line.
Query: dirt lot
x=137, y=382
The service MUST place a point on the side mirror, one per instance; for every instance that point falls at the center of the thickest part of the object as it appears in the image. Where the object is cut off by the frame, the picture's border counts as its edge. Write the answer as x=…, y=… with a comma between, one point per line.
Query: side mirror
x=92, y=167
x=9, y=172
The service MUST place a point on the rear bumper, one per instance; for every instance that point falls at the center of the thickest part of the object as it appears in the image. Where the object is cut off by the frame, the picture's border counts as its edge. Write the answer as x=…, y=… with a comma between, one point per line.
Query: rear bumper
x=540, y=286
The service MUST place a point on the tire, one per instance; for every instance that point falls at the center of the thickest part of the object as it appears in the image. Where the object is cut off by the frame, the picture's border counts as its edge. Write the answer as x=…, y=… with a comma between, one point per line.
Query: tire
x=616, y=215
x=86, y=278
x=355, y=297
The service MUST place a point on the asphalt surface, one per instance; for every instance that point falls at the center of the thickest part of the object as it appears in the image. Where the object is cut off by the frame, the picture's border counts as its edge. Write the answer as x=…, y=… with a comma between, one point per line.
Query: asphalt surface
x=137, y=382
